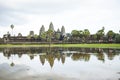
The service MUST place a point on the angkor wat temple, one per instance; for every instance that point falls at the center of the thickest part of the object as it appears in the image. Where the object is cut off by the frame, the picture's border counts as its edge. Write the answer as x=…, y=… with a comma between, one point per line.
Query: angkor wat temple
x=60, y=36
x=44, y=36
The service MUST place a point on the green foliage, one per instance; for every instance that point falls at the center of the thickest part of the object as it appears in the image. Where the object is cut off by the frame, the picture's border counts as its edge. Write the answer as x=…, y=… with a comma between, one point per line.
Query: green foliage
x=19, y=34
x=117, y=38
x=75, y=33
x=64, y=45
x=81, y=33
x=49, y=35
x=94, y=36
x=12, y=26
x=76, y=36
x=100, y=33
x=35, y=36
x=28, y=36
x=44, y=35
x=12, y=64
x=57, y=36
x=110, y=34
x=86, y=33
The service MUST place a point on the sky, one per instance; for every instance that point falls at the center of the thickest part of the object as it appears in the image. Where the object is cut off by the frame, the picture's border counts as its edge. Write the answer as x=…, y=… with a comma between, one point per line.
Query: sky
x=30, y=15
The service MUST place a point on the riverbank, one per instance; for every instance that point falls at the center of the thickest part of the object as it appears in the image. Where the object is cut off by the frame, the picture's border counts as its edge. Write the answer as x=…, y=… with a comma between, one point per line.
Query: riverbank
x=63, y=45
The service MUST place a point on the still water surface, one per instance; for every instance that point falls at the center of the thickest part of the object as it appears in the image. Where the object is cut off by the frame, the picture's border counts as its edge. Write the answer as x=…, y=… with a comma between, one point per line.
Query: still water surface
x=59, y=64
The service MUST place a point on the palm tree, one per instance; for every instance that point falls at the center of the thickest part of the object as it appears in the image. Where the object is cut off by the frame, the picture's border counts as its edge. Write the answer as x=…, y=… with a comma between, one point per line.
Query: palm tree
x=81, y=33
x=43, y=36
x=12, y=64
x=12, y=26
x=49, y=35
x=100, y=34
x=86, y=34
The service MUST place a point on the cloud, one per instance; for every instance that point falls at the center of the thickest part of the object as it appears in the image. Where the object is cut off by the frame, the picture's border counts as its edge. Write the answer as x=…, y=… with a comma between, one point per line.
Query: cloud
x=17, y=12
x=77, y=14
x=9, y=16
x=38, y=6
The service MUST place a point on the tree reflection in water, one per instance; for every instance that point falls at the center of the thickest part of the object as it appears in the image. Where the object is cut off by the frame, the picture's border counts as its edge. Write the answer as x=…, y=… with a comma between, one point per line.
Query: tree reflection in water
x=80, y=56
x=50, y=54
x=12, y=64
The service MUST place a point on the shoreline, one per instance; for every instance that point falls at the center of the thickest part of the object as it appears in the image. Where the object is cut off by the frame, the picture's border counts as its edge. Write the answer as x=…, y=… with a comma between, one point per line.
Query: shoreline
x=62, y=45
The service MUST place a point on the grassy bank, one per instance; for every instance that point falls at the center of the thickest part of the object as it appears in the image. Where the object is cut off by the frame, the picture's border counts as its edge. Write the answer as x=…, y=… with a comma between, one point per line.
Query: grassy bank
x=63, y=45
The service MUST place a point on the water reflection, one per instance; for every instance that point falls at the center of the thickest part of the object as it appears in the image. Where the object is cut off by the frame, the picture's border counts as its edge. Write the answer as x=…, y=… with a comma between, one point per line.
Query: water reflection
x=60, y=54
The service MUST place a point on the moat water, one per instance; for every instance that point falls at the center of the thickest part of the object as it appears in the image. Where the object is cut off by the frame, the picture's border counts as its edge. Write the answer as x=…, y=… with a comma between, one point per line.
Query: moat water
x=59, y=64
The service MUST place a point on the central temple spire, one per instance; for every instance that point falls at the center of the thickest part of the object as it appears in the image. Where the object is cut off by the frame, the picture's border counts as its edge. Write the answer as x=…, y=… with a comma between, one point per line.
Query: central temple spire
x=51, y=27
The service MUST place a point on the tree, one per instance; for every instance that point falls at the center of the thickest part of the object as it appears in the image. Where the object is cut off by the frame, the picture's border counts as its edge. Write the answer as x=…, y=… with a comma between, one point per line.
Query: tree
x=49, y=35
x=117, y=38
x=12, y=26
x=36, y=36
x=86, y=34
x=19, y=35
x=94, y=37
x=44, y=36
x=100, y=34
x=12, y=64
x=81, y=33
x=110, y=35
x=75, y=34
x=42, y=30
x=63, y=30
x=57, y=36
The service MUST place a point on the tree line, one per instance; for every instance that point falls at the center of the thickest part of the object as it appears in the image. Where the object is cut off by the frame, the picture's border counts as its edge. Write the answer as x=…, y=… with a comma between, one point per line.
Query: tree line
x=84, y=36
x=76, y=36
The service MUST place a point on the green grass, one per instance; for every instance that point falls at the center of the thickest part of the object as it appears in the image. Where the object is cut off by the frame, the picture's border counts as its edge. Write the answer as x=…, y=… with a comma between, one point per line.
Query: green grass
x=63, y=45
x=93, y=45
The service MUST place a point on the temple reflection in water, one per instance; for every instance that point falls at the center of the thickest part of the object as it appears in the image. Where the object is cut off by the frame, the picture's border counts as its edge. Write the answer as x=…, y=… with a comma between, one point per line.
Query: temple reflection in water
x=51, y=54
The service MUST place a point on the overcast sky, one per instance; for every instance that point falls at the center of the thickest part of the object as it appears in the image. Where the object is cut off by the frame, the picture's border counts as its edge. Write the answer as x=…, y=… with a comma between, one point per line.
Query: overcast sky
x=27, y=15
